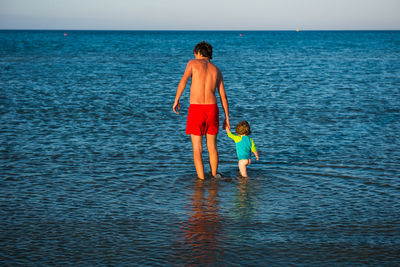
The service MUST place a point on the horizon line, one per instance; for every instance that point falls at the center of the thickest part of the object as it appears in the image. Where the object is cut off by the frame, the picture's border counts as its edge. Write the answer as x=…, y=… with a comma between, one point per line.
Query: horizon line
x=205, y=30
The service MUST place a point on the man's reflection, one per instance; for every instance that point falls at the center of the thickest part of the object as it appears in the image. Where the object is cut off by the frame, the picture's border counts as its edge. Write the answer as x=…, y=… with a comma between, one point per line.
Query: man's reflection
x=202, y=231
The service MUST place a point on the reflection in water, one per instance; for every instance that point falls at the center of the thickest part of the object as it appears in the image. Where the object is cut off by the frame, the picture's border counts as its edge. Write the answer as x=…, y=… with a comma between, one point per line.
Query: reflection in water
x=244, y=202
x=202, y=230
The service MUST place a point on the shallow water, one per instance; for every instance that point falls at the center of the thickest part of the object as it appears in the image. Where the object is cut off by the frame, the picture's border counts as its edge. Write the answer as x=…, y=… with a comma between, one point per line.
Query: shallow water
x=97, y=170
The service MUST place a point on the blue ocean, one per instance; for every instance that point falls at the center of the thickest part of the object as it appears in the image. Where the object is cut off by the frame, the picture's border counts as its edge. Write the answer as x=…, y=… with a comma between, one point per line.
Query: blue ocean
x=96, y=169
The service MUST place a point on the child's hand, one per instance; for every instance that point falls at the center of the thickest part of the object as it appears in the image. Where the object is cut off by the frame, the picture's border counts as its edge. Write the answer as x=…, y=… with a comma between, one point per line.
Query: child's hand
x=256, y=154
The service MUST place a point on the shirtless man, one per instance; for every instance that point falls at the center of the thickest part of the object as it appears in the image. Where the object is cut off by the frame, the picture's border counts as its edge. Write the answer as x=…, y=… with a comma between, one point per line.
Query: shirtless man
x=203, y=114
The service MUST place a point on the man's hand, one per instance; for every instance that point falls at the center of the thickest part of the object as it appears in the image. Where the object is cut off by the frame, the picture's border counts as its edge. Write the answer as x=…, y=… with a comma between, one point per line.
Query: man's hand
x=176, y=105
x=226, y=124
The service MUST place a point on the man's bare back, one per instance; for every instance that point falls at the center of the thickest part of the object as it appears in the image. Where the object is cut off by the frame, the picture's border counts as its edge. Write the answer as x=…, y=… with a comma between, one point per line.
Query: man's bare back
x=205, y=77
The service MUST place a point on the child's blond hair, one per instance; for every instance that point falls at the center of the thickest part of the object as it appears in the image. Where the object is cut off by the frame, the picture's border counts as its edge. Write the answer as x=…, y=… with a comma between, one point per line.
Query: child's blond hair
x=243, y=128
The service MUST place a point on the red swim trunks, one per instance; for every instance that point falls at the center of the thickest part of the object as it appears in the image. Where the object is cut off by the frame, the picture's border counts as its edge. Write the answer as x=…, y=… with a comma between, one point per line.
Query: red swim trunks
x=202, y=119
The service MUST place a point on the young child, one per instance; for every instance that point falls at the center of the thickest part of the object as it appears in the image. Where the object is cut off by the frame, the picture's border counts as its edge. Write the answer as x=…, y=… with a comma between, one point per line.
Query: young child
x=244, y=145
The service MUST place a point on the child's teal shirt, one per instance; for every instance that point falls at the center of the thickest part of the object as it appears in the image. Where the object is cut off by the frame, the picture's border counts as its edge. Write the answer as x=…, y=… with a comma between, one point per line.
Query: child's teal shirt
x=244, y=146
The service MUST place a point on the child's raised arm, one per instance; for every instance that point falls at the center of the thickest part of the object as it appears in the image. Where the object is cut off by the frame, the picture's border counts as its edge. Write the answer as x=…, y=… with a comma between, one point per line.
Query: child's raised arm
x=232, y=136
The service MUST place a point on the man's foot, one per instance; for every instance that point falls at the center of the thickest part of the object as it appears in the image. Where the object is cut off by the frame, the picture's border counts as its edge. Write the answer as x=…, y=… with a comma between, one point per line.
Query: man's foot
x=218, y=175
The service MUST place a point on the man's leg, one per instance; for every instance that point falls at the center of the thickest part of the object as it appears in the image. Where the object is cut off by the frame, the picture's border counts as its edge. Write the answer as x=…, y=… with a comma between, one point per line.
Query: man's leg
x=213, y=153
x=197, y=155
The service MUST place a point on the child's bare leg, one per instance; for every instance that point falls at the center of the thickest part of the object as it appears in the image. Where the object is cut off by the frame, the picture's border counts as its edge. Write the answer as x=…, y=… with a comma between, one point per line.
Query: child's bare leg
x=197, y=155
x=213, y=153
x=243, y=167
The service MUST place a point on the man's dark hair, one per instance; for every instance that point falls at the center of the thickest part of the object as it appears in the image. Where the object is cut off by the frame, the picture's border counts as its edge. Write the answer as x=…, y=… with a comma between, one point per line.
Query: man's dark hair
x=204, y=48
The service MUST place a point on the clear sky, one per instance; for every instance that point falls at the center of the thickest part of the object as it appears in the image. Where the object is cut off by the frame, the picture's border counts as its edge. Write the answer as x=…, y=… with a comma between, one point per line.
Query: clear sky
x=201, y=15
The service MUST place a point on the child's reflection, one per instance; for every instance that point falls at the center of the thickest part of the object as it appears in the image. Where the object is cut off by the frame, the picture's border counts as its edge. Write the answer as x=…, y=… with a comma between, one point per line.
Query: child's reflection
x=202, y=231
x=244, y=204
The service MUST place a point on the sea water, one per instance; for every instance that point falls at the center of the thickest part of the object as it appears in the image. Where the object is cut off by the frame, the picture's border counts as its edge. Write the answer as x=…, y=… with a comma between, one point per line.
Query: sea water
x=96, y=168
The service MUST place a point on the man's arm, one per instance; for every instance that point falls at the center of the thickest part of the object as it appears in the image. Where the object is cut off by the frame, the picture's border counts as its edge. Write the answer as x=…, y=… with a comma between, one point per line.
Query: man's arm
x=182, y=85
x=224, y=100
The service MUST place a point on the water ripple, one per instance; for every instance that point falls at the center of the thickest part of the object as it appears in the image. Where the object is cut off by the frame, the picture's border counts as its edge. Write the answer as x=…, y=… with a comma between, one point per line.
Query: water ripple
x=96, y=168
